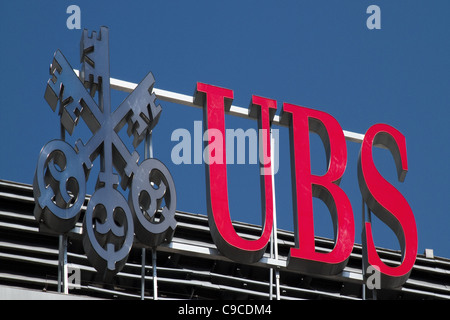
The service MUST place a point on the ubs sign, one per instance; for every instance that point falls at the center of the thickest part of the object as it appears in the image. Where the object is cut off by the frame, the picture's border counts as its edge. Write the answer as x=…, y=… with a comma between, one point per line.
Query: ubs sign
x=110, y=221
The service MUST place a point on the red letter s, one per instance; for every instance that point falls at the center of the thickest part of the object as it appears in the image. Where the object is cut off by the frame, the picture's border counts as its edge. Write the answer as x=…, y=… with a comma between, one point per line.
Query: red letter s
x=387, y=203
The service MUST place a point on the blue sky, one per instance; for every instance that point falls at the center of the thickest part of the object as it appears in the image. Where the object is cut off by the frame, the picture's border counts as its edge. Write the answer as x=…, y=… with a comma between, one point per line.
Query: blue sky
x=318, y=54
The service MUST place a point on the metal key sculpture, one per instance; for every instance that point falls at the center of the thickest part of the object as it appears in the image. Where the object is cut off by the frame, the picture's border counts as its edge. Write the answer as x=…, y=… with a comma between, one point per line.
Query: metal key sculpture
x=110, y=221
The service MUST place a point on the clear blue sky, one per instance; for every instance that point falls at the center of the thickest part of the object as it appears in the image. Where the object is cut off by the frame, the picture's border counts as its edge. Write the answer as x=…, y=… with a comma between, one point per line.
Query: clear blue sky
x=318, y=54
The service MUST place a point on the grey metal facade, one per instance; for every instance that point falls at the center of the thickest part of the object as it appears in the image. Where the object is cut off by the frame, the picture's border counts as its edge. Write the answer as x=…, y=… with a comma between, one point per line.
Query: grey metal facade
x=190, y=267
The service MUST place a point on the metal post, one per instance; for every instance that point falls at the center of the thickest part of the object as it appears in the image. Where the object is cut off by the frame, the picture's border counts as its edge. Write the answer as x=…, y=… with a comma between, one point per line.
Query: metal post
x=149, y=154
x=277, y=282
x=369, y=217
x=271, y=269
x=363, y=267
x=59, y=263
x=62, y=249
x=274, y=230
x=143, y=274
x=62, y=265
x=155, y=277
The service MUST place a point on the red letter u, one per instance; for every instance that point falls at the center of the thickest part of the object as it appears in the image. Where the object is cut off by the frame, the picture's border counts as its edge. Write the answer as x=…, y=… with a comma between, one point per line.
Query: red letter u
x=223, y=233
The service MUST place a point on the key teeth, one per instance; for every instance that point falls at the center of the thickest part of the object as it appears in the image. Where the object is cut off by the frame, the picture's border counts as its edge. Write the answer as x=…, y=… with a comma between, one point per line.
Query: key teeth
x=88, y=45
x=147, y=119
x=70, y=116
x=53, y=90
x=145, y=113
x=139, y=126
x=88, y=76
x=93, y=35
x=156, y=113
x=55, y=67
x=50, y=95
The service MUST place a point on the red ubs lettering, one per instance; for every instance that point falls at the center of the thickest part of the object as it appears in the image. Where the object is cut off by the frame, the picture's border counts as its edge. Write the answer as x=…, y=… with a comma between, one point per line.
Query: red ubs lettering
x=384, y=200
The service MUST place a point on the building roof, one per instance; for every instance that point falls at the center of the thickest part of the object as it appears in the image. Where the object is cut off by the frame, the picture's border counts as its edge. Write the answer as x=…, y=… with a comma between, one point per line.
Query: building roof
x=191, y=267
